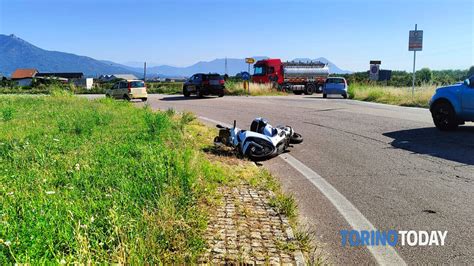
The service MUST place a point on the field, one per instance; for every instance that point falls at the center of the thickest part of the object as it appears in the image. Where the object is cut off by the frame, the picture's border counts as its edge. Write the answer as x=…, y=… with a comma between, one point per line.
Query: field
x=103, y=181
x=393, y=95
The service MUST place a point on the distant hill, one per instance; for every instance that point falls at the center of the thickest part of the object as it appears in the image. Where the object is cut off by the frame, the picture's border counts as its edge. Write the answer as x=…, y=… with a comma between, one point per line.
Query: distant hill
x=17, y=53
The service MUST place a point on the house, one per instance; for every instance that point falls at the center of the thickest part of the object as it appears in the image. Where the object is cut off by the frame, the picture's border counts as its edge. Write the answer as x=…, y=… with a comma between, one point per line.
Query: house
x=106, y=78
x=24, y=76
x=67, y=75
x=24, y=73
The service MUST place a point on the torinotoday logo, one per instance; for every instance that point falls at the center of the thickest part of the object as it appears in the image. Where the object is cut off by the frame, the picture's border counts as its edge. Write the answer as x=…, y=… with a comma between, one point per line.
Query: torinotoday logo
x=356, y=238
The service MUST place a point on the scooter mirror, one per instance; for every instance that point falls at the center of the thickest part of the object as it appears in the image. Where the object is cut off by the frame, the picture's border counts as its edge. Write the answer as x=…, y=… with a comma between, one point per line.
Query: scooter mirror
x=235, y=123
x=219, y=126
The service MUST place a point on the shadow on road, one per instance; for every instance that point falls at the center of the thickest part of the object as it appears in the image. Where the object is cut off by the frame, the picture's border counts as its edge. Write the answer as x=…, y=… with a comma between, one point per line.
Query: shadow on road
x=320, y=97
x=455, y=146
x=182, y=98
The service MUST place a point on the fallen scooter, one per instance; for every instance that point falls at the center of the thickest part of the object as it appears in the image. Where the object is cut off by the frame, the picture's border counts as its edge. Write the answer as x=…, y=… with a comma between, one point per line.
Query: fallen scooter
x=261, y=142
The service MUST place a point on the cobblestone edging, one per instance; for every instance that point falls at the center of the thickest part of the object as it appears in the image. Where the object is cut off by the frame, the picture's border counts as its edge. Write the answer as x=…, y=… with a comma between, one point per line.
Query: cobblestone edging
x=245, y=229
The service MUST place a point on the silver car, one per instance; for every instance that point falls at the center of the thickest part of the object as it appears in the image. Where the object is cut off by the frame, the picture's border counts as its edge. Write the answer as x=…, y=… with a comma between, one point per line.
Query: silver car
x=335, y=85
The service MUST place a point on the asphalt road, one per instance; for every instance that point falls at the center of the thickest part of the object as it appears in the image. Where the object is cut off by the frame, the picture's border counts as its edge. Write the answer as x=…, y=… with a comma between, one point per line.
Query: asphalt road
x=389, y=162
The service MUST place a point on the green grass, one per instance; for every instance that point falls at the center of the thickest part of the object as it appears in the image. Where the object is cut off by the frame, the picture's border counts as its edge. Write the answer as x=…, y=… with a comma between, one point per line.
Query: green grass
x=165, y=87
x=100, y=181
x=392, y=95
x=24, y=90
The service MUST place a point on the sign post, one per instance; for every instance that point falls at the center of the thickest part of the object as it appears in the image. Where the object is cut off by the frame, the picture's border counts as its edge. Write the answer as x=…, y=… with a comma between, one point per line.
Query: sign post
x=374, y=69
x=415, y=43
x=249, y=61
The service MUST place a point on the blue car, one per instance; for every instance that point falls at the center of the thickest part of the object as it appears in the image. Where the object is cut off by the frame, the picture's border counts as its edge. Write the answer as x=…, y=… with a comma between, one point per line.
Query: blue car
x=335, y=85
x=453, y=105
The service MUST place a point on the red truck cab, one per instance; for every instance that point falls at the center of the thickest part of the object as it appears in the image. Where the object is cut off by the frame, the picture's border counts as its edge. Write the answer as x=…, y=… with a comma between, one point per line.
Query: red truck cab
x=268, y=70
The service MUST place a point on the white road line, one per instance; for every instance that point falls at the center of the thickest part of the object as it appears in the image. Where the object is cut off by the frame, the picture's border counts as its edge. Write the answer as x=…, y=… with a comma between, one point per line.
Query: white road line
x=214, y=121
x=384, y=255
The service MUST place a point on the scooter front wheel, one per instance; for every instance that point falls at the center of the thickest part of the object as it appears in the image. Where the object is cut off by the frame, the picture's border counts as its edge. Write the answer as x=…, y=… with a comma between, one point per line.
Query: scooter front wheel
x=296, y=138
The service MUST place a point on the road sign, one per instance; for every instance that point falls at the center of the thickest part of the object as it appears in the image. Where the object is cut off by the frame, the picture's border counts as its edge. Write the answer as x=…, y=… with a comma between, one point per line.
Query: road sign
x=415, y=40
x=245, y=75
x=250, y=60
x=385, y=74
x=375, y=62
x=374, y=72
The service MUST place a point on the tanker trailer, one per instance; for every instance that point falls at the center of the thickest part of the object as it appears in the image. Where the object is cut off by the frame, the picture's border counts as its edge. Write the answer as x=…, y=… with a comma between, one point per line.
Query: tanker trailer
x=299, y=77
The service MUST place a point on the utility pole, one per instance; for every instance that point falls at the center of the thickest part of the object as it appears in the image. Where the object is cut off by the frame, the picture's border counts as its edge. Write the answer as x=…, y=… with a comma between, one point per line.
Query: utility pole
x=144, y=72
x=226, y=65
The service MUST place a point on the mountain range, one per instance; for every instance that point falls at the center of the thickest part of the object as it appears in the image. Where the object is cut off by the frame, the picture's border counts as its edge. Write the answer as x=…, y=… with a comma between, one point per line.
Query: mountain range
x=18, y=53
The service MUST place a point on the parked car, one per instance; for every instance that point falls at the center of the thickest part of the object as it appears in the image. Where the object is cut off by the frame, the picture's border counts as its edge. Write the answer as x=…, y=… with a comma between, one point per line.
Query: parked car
x=453, y=105
x=204, y=84
x=335, y=85
x=128, y=90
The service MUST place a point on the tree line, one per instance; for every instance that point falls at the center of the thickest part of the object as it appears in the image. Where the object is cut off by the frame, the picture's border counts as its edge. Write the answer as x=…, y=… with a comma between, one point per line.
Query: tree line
x=423, y=76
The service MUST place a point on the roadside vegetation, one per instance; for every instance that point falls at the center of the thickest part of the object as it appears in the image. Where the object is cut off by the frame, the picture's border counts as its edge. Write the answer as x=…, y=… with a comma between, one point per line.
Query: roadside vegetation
x=103, y=181
x=404, y=79
x=165, y=87
x=398, y=90
x=256, y=89
x=392, y=95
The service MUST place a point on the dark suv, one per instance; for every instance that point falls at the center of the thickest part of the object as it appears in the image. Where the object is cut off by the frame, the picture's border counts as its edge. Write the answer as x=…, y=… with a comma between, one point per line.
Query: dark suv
x=204, y=84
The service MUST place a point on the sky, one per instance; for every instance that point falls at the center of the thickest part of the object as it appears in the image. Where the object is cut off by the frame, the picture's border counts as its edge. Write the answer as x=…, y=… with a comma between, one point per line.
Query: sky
x=349, y=33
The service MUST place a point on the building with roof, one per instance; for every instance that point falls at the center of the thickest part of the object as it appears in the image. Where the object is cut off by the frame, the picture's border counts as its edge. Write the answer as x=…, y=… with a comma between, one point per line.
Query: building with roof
x=117, y=76
x=24, y=73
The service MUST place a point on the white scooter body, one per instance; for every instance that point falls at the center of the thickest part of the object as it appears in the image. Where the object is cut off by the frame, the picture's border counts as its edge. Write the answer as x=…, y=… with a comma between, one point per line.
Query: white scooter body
x=245, y=135
x=277, y=138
